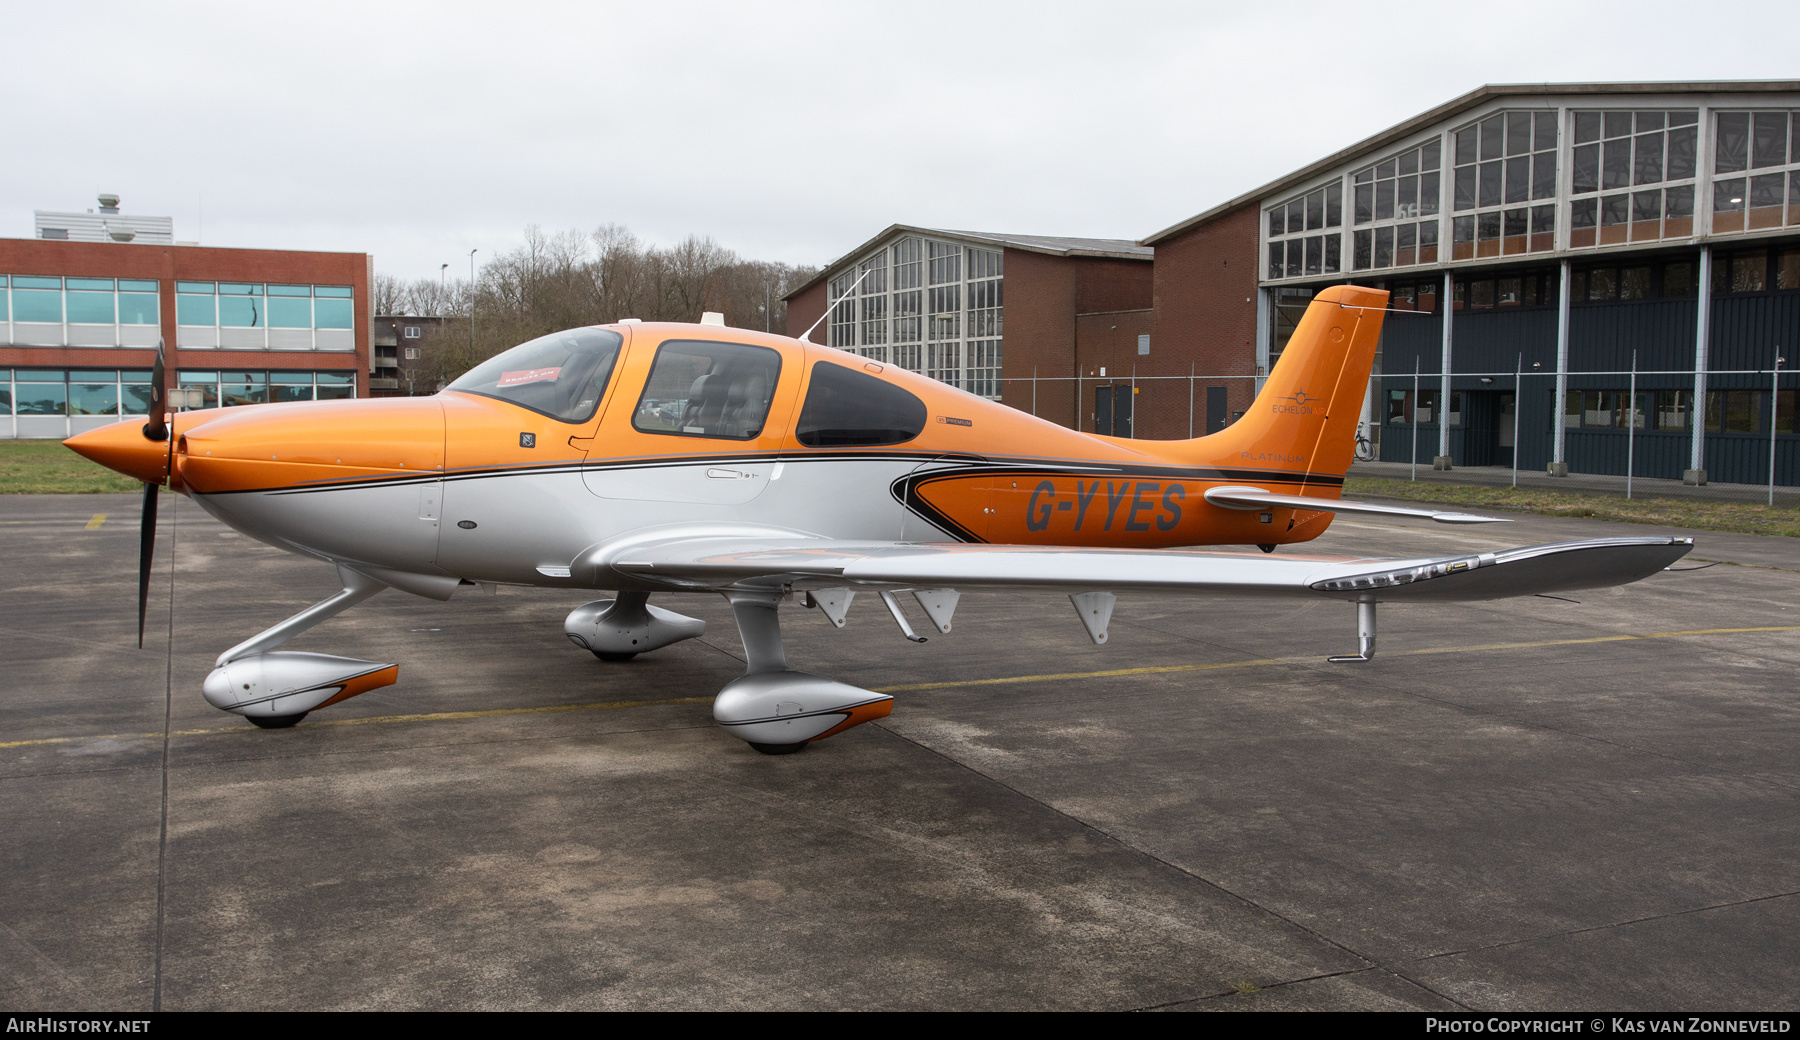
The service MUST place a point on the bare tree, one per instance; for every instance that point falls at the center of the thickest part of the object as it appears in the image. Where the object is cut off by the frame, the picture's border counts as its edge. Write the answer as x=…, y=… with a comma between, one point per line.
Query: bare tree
x=562, y=280
x=390, y=294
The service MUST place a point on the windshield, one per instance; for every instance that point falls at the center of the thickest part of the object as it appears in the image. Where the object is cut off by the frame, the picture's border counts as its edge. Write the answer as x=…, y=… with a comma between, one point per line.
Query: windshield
x=561, y=375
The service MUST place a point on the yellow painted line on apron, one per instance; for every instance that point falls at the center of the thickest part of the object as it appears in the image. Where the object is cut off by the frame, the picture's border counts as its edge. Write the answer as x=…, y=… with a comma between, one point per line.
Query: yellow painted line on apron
x=436, y=716
x=446, y=716
x=94, y=524
x=1313, y=658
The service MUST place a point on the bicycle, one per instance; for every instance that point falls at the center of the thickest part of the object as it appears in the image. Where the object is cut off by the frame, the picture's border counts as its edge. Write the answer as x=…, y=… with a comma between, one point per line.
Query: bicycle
x=1365, y=451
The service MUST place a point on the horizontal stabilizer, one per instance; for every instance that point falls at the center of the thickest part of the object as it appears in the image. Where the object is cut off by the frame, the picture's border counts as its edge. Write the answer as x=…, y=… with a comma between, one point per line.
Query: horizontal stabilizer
x=1248, y=498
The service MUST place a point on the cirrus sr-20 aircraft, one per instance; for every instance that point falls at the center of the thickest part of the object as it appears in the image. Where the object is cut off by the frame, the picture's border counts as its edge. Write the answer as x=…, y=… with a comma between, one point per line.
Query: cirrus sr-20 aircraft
x=661, y=459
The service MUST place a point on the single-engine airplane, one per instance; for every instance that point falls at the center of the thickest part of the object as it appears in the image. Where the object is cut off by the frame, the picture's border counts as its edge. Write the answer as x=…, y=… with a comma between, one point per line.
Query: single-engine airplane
x=647, y=459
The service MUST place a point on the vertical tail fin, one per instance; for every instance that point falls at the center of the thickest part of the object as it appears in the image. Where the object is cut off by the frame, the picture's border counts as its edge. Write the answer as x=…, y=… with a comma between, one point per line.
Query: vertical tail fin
x=1304, y=420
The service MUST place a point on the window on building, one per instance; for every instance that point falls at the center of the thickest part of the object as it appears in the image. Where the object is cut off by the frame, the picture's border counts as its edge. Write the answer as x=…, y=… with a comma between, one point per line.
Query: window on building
x=37, y=299
x=1755, y=270
x=873, y=306
x=982, y=361
x=1390, y=197
x=242, y=387
x=1304, y=236
x=241, y=306
x=1756, y=170
x=290, y=306
x=90, y=301
x=1503, y=166
x=1401, y=408
x=1668, y=411
x=411, y=332
x=412, y=353
x=1290, y=305
x=1413, y=296
x=1638, y=168
x=1735, y=411
x=1642, y=281
x=137, y=302
x=928, y=306
x=77, y=392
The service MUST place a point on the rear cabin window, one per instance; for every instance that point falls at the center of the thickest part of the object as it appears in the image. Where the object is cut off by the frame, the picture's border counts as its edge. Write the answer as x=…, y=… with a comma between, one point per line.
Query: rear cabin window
x=703, y=389
x=561, y=375
x=845, y=408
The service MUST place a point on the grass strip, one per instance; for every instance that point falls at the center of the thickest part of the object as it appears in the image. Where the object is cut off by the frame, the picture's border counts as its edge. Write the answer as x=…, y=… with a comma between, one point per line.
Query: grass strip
x=1698, y=513
x=32, y=467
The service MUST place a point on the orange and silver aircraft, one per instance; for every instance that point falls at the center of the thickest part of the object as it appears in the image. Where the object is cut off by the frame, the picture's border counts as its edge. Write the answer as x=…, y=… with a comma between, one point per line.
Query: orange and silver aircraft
x=655, y=459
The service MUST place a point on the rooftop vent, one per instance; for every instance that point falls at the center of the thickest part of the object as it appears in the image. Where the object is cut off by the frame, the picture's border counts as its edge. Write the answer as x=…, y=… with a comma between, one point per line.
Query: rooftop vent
x=109, y=203
x=121, y=234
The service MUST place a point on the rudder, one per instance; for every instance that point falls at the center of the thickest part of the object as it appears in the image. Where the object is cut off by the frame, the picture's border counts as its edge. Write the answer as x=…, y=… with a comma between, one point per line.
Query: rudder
x=1305, y=418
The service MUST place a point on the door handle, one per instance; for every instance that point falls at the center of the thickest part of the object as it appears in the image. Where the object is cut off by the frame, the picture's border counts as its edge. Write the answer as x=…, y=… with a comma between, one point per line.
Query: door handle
x=728, y=474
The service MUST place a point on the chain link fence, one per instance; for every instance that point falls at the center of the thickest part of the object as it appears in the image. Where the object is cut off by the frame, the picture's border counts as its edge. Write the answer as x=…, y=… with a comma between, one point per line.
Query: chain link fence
x=1719, y=433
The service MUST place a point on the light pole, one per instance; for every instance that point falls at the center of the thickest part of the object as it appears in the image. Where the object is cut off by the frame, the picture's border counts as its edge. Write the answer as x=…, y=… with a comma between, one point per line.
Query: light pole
x=472, y=299
x=443, y=269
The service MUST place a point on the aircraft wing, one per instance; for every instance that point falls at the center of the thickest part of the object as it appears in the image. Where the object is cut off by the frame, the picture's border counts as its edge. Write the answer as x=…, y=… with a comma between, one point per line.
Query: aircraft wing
x=811, y=564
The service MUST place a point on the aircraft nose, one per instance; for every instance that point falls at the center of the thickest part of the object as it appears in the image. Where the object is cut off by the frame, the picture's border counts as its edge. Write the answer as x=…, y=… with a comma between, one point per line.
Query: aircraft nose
x=123, y=447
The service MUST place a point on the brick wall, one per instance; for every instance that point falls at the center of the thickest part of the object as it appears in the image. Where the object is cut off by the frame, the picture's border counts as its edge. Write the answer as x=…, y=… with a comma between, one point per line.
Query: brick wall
x=1205, y=304
x=1040, y=333
x=1112, y=285
x=804, y=309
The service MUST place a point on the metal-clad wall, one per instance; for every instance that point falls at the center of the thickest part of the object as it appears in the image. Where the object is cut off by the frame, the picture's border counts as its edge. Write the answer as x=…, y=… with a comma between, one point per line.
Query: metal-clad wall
x=1603, y=335
x=1746, y=329
x=1491, y=341
x=1404, y=336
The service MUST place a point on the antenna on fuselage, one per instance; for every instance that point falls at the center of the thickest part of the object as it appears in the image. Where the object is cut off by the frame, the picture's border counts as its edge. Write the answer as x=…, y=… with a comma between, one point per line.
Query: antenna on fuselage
x=805, y=336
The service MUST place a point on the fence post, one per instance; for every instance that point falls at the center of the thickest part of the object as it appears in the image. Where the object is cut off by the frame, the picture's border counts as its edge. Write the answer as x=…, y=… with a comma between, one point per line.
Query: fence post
x=1415, y=417
x=1191, y=401
x=1518, y=403
x=1443, y=405
x=1034, y=391
x=1631, y=427
x=1774, y=414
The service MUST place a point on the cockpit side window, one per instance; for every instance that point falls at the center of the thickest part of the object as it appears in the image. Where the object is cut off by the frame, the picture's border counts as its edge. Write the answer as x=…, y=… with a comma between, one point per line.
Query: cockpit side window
x=698, y=388
x=845, y=408
x=562, y=375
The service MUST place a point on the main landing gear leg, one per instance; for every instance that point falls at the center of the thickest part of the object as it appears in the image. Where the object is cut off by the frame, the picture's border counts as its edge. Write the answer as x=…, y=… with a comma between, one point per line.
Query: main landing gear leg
x=276, y=689
x=773, y=708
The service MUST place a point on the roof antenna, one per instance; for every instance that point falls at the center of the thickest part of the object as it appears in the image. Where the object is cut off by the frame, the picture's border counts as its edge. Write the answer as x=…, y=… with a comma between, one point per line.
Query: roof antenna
x=829, y=304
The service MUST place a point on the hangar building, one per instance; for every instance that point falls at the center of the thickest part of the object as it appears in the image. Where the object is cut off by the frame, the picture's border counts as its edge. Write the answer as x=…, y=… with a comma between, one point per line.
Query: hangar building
x=1556, y=246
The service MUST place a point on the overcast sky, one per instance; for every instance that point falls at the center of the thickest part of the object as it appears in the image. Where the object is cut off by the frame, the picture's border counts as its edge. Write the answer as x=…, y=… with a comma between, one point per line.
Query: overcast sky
x=787, y=131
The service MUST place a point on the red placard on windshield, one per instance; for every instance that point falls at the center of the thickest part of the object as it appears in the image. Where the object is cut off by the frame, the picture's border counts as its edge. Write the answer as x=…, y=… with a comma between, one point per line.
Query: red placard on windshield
x=529, y=375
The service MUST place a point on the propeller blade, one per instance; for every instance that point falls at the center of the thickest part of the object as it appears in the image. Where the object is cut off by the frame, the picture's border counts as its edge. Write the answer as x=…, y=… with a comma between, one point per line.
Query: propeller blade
x=157, y=428
x=146, y=551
